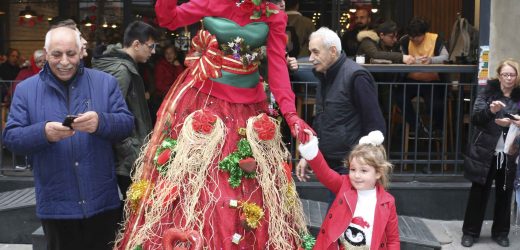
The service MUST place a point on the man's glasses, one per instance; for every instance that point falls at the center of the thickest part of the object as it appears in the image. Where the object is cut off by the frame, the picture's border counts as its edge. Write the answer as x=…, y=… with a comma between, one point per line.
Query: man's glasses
x=151, y=46
x=391, y=35
x=507, y=75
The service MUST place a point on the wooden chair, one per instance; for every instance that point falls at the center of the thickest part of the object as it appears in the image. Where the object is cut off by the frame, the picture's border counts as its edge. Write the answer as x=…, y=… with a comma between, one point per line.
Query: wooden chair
x=396, y=118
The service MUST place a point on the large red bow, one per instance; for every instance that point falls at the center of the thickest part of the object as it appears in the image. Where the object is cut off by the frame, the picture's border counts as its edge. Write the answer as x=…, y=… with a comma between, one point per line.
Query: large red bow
x=205, y=58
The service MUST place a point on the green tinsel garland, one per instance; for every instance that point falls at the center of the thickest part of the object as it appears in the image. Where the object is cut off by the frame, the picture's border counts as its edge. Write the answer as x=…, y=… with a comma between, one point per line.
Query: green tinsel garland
x=308, y=241
x=167, y=143
x=230, y=163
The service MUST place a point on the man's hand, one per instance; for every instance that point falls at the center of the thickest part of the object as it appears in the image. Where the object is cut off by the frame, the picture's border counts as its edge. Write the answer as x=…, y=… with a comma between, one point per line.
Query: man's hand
x=302, y=170
x=408, y=59
x=292, y=63
x=86, y=122
x=54, y=131
x=424, y=60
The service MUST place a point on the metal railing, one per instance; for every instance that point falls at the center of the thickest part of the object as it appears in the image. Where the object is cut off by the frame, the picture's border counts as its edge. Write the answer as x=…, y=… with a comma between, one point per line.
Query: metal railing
x=412, y=153
x=436, y=151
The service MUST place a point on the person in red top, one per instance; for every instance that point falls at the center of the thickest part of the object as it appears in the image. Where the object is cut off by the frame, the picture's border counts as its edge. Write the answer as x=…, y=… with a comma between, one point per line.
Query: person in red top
x=214, y=171
x=37, y=62
x=167, y=70
x=363, y=215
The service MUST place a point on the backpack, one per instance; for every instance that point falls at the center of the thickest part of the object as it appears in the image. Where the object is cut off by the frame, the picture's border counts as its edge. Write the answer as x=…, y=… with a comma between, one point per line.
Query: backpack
x=463, y=44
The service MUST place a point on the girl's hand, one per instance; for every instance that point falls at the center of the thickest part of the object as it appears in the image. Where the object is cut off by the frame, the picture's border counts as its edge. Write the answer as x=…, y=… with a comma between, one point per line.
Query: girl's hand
x=309, y=149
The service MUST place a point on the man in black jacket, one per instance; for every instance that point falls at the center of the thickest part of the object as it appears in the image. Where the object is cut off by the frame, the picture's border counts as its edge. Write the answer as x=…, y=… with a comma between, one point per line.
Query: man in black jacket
x=346, y=101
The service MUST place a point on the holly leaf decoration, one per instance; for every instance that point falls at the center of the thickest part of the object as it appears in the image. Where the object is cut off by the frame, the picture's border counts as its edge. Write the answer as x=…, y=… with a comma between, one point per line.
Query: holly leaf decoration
x=256, y=15
x=269, y=12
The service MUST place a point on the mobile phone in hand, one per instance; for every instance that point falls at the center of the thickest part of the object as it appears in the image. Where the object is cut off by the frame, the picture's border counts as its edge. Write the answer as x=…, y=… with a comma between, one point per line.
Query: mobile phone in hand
x=510, y=116
x=69, y=119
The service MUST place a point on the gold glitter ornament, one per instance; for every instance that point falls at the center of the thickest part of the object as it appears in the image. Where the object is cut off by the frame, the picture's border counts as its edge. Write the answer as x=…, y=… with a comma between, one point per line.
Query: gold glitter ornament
x=252, y=213
x=136, y=192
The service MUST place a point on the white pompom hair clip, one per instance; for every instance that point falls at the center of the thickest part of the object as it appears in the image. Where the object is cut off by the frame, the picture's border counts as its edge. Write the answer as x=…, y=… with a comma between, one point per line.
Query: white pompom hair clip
x=374, y=138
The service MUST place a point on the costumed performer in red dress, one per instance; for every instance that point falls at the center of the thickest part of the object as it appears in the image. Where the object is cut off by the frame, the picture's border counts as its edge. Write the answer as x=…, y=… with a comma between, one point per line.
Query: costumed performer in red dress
x=214, y=174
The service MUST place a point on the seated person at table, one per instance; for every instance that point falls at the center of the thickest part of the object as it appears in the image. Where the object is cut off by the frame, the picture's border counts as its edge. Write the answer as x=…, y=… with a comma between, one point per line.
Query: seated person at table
x=380, y=43
x=427, y=48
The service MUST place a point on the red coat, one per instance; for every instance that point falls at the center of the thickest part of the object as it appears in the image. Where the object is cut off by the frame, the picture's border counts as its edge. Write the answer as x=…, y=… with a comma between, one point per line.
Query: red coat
x=165, y=75
x=385, y=233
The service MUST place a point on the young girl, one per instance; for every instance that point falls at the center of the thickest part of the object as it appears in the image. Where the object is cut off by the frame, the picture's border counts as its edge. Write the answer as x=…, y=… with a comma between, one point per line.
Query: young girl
x=363, y=215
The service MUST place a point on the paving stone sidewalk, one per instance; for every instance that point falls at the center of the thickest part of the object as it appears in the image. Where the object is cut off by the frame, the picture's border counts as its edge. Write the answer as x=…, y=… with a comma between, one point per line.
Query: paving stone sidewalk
x=449, y=234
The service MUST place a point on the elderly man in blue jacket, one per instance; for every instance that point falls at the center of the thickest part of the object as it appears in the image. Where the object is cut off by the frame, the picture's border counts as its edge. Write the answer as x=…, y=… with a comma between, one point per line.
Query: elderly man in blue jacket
x=76, y=188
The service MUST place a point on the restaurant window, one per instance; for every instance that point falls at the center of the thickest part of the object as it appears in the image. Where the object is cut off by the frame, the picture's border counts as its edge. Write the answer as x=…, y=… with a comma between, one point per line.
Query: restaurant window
x=28, y=21
x=101, y=21
x=339, y=14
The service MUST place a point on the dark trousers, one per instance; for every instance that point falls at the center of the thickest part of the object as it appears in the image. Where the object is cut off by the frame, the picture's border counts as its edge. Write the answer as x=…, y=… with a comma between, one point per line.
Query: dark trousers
x=124, y=183
x=97, y=232
x=478, y=197
x=403, y=98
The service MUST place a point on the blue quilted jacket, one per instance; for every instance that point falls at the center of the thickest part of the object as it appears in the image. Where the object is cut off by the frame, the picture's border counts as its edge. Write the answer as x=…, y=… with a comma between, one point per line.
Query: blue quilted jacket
x=75, y=177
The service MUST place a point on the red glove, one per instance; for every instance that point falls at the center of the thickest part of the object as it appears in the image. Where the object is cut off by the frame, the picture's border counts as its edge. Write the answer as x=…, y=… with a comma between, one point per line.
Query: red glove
x=297, y=126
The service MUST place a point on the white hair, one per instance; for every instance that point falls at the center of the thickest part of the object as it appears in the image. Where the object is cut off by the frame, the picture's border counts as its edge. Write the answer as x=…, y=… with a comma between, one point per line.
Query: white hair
x=48, y=37
x=329, y=38
x=37, y=53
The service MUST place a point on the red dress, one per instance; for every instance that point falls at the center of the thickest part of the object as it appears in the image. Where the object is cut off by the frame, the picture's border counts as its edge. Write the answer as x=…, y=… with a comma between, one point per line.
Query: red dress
x=192, y=191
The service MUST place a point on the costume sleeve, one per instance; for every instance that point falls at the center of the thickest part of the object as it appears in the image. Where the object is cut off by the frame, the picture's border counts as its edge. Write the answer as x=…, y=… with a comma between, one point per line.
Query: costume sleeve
x=171, y=16
x=392, y=230
x=328, y=177
x=366, y=101
x=278, y=75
